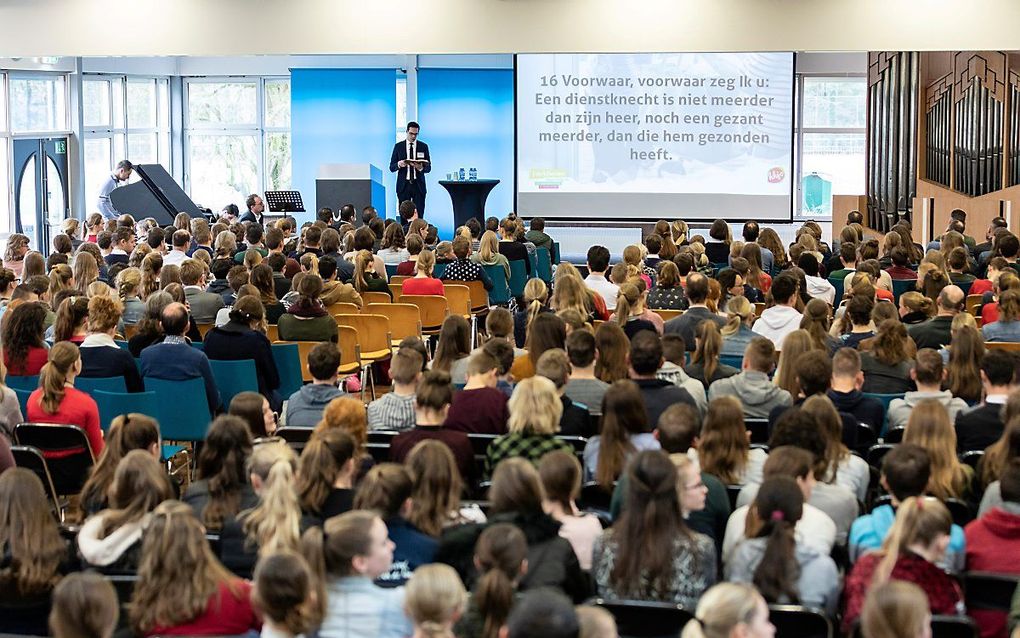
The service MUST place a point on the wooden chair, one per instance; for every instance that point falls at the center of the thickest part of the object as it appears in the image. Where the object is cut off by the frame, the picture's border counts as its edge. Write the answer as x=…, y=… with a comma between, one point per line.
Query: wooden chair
x=973, y=303
x=374, y=340
x=758, y=309
x=204, y=328
x=667, y=314
x=343, y=308
x=404, y=318
x=1008, y=346
x=396, y=290
x=398, y=279
x=130, y=330
x=304, y=347
x=479, y=296
x=433, y=309
x=459, y=299
x=272, y=332
x=370, y=297
x=350, y=352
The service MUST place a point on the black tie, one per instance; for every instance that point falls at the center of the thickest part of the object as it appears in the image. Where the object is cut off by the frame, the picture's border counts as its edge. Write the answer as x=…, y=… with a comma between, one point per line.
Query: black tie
x=412, y=157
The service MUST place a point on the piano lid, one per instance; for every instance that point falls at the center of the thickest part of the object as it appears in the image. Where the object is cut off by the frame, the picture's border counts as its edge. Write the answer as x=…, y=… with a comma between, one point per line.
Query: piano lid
x=156, y=195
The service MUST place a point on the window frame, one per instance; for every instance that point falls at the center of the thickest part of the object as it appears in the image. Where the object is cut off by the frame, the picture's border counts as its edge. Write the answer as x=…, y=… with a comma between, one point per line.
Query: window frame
x=6, y=176
x=259, y=128
x=800, y=131
x=164, y=136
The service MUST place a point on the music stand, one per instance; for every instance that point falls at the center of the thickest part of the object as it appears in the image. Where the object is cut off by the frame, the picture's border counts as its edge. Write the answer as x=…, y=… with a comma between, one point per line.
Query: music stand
x=284, y=202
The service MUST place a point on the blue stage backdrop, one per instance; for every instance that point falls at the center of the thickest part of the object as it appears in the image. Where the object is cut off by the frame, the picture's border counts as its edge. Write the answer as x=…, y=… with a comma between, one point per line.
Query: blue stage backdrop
x=341, y=116
x=467, y=119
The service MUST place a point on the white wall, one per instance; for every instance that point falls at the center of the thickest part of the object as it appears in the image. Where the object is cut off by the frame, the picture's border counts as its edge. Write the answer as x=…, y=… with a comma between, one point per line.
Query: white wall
x=243, y=27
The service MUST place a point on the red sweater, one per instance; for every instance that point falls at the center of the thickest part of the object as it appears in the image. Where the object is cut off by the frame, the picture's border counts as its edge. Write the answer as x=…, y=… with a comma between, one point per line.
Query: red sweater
x=993, y=542
x=30, y=365
x=77, y=408
x=944, y=596
x=980, y=287
x=989, y=313
x=226, y=614
x=423, y=286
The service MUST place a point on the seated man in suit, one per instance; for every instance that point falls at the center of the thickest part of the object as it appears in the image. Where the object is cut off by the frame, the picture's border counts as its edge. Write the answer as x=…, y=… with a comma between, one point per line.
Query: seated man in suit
x=687, y=324
x=981, y=426
x=204, y=305
x=174, y=359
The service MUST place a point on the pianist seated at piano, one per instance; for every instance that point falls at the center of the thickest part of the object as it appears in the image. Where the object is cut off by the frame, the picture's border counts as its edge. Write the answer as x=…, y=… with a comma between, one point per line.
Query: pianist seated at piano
x=119, y=176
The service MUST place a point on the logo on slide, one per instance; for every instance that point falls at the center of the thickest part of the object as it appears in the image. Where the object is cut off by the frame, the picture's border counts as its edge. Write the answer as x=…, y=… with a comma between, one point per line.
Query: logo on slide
x=547, y=178
x=776, y=175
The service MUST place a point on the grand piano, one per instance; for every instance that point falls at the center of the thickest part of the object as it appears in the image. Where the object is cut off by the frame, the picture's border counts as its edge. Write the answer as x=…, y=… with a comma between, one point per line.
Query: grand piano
x=155, y=195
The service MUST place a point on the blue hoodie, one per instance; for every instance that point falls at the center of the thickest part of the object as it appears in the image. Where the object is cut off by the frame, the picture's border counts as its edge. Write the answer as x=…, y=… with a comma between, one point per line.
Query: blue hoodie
x=868, y=532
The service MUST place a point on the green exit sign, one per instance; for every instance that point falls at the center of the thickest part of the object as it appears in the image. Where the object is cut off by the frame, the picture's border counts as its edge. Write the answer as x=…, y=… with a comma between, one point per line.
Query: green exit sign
x=61, y=147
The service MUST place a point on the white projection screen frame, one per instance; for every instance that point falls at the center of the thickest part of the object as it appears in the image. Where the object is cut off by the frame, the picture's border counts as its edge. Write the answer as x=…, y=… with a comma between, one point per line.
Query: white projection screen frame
x=710, y=136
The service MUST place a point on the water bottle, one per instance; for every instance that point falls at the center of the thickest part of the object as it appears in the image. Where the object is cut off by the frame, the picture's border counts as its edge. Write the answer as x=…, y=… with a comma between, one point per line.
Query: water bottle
x=473, y=174
x=461, y=174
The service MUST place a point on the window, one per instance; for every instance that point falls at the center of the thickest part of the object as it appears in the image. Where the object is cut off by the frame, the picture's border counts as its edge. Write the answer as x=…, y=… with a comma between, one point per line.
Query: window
x=831, y=141
x=401, y=107
x=37, y=103
x=237, y=133
x=125, y=118
x=5, y=161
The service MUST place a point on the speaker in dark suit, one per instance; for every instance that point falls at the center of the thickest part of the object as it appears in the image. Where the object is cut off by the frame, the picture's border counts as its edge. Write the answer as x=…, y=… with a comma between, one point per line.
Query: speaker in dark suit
x=410, y=161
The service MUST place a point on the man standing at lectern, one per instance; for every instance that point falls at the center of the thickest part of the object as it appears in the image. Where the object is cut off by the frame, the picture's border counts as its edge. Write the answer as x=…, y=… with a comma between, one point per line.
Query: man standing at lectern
x=410, y=161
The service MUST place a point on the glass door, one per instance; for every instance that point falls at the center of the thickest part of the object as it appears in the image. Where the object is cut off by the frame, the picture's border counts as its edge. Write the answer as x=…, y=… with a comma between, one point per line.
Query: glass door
x=40, y=188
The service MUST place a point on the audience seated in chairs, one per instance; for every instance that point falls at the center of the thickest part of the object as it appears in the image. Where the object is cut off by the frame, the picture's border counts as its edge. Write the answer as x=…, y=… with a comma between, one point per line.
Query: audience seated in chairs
x=243, y=338
x=757, y=395
x=127, y=432
x=304, y=408
x=24, y=349
x=480, y=408
x=221, y=487
x=395, y=409
x=57, y=401
x=306, y=319
x=554, y=365
x=432, y=403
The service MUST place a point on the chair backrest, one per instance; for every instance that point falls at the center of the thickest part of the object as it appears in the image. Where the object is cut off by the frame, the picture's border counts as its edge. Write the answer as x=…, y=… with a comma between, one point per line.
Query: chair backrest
x=234, y=377
x=183, y=408
x=646, y=619
x=350, y=350
x=32, y=459
x=518, y=276
x=373, y=333
x=382, y=436
x=113, y=404
x=759, y=429
x=900, y=286
x=439, y=270
x=972, y=303
x=965, y=286
x=343, y=308
x=70, y=471
x=398, y=279
x=479, y=295
x=374, y=296
x=667, y=313
x=594, y=497
x=500, y=293
x=204, y=328
x=837, y=283
x=960, y=510
x=24, y=383
x=1007, y=346
x=23, y=396
x=985, y=590
x=800, y=621
x=272, y=332
x=735, y=361
x=543, y=265
x=130, y=330
x=107, y=384
x=972, y=458
x=953, y=627
x=288, y=366
x=458, y=298
x=434, y=310
x=297, y=438
x=404, y=318
x=876, y=453
x=480, y=442
x=303, y=348
x=396, y=290
x=391, y=271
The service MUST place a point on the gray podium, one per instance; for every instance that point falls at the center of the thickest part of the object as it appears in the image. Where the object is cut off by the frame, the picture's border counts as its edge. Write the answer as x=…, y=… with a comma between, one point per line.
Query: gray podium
x=358, y=184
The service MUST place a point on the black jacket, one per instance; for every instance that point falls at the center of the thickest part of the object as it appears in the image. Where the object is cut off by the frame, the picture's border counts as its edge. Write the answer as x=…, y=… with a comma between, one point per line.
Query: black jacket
x=932, y=334
x=400, y=153
x=576, y=421
x=551, y=559
x=864, y=409
x=978, y=428
x=105, y=362
x=659, y=394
